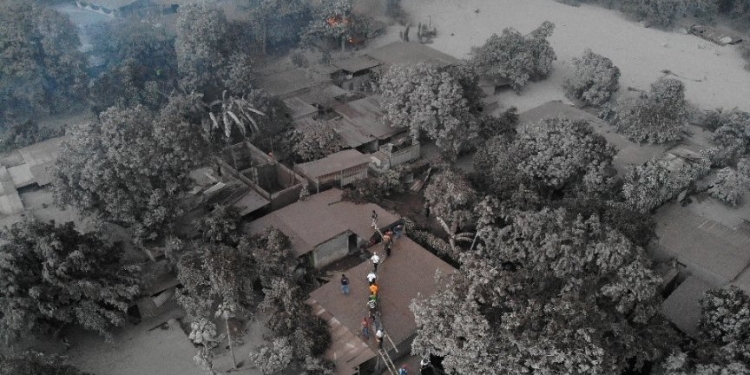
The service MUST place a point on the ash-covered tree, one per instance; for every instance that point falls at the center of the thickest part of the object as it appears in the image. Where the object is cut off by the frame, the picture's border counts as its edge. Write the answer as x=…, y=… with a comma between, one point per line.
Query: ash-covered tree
x=34, y=363
x=210, y=57
x=652, y=184
x=53, y=276
x=334, y=19
x=41, y=68
x=731, y=136
x=729, y=186
x=594, y=79
x=516, y=57
x=452, y=199
x=551, y=156
x=658, y=116
x=140, y=63
x=129, y=167
x=217, y=282
x=432, y=102
x=316, y=142
x=273, y=359
x=546, y=292
x=723, y=346
x=660, y=13
x=279, y=22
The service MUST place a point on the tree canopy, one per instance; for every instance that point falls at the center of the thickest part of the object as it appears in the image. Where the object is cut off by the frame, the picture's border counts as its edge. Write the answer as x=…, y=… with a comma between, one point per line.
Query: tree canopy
x=54, y=275
x=430, y=101
x=545, y=292
x=517, y=57
x=551, y=155
x=654, y=117
x=594, y=79
x=33, y=363
x=210, y=57
x=41, y=69
x=130, y=167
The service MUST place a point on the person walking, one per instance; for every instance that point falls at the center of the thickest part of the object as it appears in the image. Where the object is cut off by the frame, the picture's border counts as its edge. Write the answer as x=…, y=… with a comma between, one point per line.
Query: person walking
x=379, y=338
x=344, y=284
x=375, y=260
x=398, y=231
x=388, y=242
x=371, y=277
x=374, y=289
x=365, y=328
x=403, y=370
x=427, y=210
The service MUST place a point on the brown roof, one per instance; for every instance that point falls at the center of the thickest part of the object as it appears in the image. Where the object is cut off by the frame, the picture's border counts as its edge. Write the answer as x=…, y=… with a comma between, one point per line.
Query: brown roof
x=333, y=163
x=408, y=273
x=628, y=152
x=367, y=115
x=411, y=53
x=356, y=64
x=320, y=218
x=682, y=307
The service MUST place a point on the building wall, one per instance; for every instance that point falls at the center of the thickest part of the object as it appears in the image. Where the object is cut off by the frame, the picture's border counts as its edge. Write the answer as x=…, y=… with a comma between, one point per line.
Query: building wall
x=332, y=250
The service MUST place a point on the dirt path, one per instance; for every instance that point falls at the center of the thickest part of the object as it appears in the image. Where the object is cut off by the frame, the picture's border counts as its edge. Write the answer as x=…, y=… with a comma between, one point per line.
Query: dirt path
x=714, y=75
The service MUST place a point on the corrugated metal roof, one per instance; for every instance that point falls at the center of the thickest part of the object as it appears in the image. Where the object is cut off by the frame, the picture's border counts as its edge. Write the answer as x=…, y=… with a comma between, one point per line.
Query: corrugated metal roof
x=350, y=133
x=356, y=64
x=367, y=115
x=718, y=252
x=411, y=53
x=40, y=156
x=288, y=82
x=298, y=108
x=408, y=273
x=333, y=163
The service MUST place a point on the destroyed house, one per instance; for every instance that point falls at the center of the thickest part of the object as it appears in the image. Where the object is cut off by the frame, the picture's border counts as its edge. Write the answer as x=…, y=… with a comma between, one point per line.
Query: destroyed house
x=264, y=175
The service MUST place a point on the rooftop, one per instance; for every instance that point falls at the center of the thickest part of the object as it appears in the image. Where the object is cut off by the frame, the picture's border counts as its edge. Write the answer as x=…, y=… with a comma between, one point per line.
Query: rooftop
x=683, y=308
x=719, y=254
x=288, y=82
x=40, y=156
x=356, y=64
x=407, y=274
x=298, y=108
x=411, y=53
x=333, y=163
x=320, y=218
x=367, y=115
x=628, y=152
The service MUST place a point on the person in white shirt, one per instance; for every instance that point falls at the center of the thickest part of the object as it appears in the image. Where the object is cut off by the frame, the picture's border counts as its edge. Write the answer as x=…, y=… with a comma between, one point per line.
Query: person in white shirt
x=375, y=260
x=371, y=278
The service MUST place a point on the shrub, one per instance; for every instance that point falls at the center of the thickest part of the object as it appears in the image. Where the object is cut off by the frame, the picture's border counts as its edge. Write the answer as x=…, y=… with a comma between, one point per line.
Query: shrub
x=594, y=81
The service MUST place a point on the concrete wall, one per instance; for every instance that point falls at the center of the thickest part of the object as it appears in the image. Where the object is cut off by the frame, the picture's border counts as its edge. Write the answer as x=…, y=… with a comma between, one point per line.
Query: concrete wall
x=332, y=250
